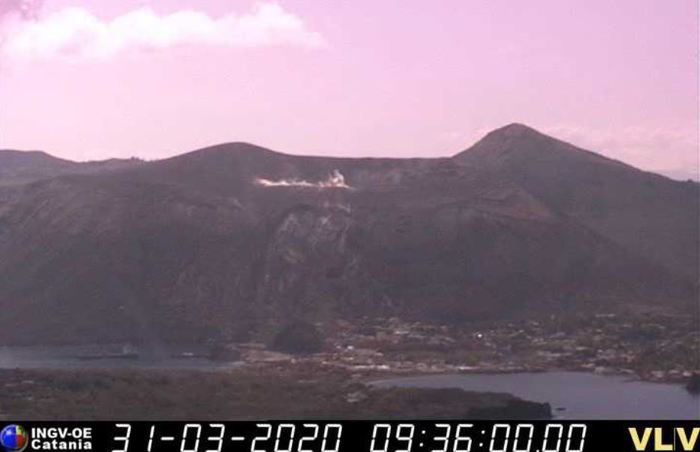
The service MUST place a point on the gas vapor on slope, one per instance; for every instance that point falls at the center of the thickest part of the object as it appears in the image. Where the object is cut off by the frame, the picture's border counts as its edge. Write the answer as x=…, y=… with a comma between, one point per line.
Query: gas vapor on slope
x=197, y=247
x=335, y=180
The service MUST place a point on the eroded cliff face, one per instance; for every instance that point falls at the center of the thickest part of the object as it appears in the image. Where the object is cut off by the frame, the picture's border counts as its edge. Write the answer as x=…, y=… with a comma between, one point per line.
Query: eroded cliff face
x=195, y=247
x=309, y=259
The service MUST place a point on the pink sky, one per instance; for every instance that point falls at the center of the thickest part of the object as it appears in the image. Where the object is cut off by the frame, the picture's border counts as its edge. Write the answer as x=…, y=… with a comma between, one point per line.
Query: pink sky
x=112, y=78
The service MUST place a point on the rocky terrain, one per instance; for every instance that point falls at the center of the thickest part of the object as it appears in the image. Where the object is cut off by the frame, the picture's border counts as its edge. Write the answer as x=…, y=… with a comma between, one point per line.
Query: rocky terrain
x=294, y=392
x=17, y=167
x=230, y=242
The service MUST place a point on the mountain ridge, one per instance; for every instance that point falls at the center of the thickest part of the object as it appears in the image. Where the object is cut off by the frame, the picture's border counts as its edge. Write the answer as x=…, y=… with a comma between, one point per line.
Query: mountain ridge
x=195, y=247
x=509, y=131
x=19, y=167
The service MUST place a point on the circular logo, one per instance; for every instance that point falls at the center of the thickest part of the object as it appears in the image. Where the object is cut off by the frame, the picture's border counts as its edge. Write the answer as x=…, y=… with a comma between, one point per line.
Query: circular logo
x=14, y=438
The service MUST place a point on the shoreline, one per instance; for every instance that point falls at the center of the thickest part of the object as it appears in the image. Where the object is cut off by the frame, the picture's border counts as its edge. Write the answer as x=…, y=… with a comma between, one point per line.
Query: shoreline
x=297, y=392
x=384, y=371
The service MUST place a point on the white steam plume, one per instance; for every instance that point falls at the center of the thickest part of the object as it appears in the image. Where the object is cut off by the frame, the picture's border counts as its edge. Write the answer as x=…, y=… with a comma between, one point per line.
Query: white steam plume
x=335, y=180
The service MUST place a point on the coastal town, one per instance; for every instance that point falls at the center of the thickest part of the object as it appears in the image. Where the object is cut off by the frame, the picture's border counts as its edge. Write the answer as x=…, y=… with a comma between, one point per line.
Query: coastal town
x=656, y=348
x=258, y=379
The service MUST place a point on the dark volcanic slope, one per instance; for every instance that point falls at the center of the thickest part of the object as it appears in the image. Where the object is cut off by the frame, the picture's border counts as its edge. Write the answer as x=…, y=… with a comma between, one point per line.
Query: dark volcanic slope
x=18, y=167
x=649, y=214
x=194, y=247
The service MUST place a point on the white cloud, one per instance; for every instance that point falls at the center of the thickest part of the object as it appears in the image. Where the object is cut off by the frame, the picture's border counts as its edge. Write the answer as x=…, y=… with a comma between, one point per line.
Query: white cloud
x=25, y=9
x=662, y=149
x=671, y=150
x=75, y=32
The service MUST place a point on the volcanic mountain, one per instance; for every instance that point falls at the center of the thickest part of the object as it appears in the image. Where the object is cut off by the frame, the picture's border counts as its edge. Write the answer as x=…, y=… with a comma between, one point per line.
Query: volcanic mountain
x=17, y=167
x=222, y=242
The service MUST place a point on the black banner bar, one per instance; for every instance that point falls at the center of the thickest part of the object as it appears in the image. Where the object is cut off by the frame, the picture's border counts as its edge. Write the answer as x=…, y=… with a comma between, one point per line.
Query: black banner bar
x=353, y=436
